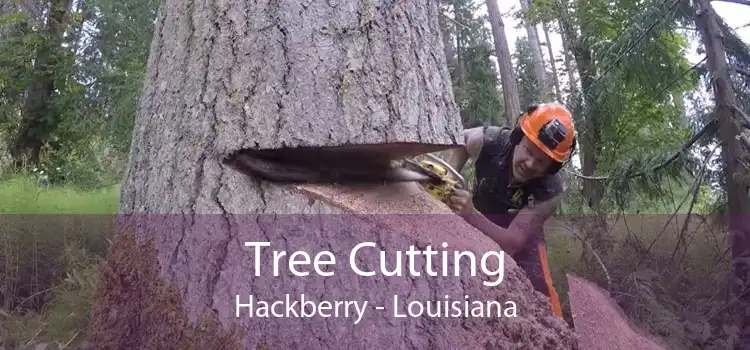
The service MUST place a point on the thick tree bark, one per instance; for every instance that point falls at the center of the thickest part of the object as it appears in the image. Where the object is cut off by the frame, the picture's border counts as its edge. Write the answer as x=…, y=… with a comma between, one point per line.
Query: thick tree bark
x=536, y=56
x=229, y=76
x=284, y=77
x=511, y=99
x=733, y=155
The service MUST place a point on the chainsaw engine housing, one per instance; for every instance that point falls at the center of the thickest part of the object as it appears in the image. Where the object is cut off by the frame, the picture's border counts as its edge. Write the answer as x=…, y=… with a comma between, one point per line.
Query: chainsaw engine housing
x=442, y=189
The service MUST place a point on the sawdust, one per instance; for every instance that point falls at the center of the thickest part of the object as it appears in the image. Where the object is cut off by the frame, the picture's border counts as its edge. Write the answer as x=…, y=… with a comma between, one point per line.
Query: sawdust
x=135, y=308
x=418, y=214
x=139, y=307
x=399, y=203
x=600, y=323
x=396, y=198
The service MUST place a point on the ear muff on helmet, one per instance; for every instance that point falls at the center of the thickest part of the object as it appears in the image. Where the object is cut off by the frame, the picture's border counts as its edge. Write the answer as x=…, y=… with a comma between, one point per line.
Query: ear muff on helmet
x=555, y=167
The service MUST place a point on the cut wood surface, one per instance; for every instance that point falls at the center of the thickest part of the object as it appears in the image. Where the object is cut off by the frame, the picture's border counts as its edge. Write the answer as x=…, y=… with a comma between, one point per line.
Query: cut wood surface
x=599, y=321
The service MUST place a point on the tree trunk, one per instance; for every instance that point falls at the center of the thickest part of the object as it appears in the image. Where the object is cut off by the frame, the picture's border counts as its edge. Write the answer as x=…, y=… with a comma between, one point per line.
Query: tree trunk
x=589, y=139
x=38, y=119
x=508, y=80
x=447, y=42
x=679, y=103
x=569, y=68
x=232, y=76
x=733, y=155
x=460, y=70
x=5, y=10
x=536, y=56
x=553, y=64
x=591, y=150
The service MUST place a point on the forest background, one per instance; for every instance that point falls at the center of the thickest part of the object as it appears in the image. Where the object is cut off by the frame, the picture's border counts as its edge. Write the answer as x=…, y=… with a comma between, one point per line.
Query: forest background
x=634, y=72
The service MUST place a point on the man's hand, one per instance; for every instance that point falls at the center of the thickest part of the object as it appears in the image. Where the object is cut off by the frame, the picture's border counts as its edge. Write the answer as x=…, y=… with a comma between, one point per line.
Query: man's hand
x=460, y=201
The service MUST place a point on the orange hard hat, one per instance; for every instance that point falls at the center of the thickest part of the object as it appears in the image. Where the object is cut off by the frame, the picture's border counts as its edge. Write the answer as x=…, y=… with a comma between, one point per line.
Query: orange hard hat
x=550, y=127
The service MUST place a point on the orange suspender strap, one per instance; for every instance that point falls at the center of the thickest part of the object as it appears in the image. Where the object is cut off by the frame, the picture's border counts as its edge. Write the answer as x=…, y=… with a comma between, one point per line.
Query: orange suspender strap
x=548, y=278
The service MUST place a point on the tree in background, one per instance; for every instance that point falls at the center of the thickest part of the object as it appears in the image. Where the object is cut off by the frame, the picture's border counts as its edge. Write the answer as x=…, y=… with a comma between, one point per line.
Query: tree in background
x=535, y=49
x=503, y=56
x=474, y=76
x=729, y=119
x=529, y=91
x=70, y=113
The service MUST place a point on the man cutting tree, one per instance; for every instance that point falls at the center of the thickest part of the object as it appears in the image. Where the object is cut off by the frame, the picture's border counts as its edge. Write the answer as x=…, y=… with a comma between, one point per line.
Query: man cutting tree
x=517, y=186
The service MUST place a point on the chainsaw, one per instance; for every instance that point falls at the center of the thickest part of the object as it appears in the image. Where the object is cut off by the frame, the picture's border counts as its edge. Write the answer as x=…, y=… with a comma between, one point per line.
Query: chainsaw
x=313, y=165
x=447, y=179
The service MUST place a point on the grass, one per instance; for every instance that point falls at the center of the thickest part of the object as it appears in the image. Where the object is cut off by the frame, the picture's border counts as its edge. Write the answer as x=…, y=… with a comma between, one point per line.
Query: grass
x=50, y=247
x=22, y=195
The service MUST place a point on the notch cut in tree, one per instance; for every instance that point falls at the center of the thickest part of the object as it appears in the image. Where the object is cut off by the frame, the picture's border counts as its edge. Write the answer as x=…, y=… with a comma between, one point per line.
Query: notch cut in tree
x=230, y=76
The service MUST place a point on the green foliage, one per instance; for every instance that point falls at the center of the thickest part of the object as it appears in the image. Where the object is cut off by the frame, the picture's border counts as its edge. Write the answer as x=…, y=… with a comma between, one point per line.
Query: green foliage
x=475, y=80
x=97, y=86
x=529, y=89
x=639, y=67
x=118, y=64
x=17, y=51
x=479, y=95
x=540, y=11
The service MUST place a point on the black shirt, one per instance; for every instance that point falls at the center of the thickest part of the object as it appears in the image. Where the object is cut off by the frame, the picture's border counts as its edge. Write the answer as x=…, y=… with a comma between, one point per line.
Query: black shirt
x=497, y=199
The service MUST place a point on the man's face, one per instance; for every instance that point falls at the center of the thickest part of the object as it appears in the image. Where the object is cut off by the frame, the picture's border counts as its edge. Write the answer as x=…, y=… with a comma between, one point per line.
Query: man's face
x=529, y=161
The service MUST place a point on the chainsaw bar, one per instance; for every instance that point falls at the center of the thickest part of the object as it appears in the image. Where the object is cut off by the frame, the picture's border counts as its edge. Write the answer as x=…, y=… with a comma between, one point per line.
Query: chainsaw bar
x=325, y=169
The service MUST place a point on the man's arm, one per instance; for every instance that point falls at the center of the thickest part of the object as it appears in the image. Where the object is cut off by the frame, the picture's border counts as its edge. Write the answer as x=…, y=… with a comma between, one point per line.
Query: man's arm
x=525, y=225
x=472, y=146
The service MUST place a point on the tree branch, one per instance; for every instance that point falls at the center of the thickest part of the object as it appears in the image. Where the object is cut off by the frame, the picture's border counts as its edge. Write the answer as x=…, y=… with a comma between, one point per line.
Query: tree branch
x=741, y=71
x=598, y=259
x=453, y=20
x=745, y=140
x=745, y=119
x=671, y=159
x=741, y=2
